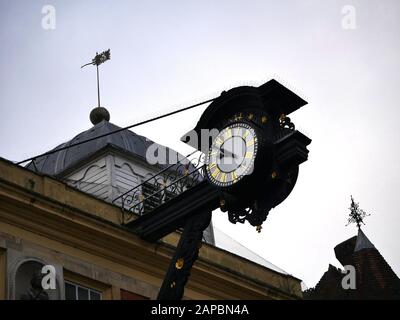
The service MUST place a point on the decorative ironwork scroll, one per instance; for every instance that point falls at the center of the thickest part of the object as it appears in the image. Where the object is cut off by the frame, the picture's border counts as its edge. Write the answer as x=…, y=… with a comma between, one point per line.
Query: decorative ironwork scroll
x=163, y=186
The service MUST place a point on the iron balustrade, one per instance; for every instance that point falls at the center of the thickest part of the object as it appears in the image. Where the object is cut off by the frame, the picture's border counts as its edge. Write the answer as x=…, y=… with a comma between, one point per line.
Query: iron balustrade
x=171, y=181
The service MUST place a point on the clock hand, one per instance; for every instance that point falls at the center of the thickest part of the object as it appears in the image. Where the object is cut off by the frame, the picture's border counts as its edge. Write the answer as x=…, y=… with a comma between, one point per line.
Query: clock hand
x=226, y=153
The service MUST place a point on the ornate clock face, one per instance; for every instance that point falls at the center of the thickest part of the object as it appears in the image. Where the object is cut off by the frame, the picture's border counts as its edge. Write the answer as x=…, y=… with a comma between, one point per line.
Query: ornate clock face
x=232, y=154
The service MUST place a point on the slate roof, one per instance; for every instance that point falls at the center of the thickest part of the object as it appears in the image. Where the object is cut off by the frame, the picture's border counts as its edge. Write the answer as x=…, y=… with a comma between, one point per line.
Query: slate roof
x=125, y=140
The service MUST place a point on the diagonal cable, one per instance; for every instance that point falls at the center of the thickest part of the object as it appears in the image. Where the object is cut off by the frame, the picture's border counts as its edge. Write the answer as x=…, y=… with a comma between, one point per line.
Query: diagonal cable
x=116, y=131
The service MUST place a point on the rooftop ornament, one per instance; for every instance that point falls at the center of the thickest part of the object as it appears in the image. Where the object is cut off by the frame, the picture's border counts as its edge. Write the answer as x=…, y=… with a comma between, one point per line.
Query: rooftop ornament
x=99, y=113
x=356, y=215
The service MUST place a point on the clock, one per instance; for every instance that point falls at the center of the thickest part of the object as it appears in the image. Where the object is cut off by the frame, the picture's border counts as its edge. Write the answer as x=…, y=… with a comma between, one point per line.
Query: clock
x=252, y=162
x=232, y=154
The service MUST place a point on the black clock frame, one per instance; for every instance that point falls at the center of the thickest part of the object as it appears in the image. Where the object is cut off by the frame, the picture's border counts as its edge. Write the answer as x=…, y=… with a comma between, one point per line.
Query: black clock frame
x=281, y=149
x=274, y=176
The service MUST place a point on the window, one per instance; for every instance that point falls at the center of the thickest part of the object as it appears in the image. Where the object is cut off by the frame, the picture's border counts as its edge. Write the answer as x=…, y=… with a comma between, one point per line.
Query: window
x=151, y=201
x=168, y=195
x=75, y=291
x=79, y=287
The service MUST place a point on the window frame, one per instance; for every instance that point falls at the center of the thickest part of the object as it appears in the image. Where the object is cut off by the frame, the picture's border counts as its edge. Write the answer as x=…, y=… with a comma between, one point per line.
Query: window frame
x=87, y=283
x=77, y=286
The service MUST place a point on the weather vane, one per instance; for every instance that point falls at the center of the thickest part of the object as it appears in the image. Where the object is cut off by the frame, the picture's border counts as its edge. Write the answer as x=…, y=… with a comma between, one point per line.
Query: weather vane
x=356, y=214
x=98, y=60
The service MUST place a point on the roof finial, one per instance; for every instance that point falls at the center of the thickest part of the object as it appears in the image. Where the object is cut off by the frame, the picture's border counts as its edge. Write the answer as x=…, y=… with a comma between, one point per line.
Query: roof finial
x=356, y=214
x=99, y=113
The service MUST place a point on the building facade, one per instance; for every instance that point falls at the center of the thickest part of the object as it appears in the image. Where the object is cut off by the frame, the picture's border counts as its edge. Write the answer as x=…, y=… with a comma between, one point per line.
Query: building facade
x=60, y=212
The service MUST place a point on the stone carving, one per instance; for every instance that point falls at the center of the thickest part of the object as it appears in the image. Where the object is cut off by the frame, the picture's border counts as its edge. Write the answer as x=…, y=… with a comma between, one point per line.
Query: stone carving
x=36, y=291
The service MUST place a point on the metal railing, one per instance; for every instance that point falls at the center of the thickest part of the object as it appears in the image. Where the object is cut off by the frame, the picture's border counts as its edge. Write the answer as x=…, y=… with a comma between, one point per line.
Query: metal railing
x=166, y=184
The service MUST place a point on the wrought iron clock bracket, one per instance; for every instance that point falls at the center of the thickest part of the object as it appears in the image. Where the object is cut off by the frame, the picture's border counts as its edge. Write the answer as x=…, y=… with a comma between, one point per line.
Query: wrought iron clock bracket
x=185, y=255
x=255, y=214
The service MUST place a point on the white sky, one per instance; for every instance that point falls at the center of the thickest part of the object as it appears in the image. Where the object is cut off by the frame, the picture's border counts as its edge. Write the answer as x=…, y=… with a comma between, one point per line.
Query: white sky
x=168, y=54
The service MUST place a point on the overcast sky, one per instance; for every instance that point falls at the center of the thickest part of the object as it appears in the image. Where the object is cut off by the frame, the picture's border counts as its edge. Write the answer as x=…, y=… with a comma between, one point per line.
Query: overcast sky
x=168, y=54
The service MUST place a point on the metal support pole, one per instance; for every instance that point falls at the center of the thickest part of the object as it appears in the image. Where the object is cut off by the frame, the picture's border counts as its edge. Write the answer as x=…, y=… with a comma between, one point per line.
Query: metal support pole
x=185, y=255
x=98, y=86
